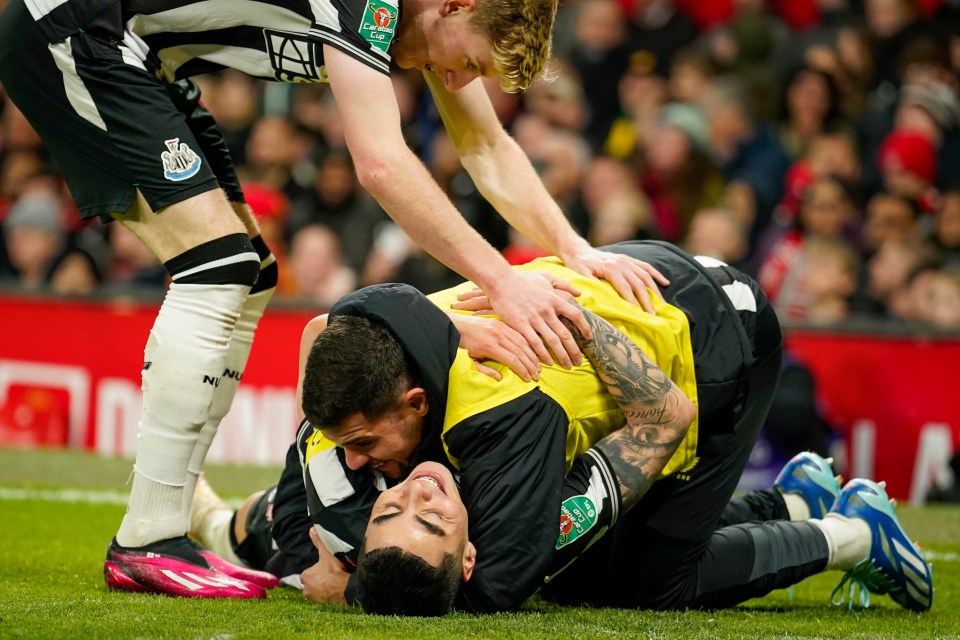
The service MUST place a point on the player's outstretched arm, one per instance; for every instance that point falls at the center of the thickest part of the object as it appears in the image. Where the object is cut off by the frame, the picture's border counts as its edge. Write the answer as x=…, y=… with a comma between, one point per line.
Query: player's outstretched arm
x=658, y=413
x=405, y=189
x=506, y=178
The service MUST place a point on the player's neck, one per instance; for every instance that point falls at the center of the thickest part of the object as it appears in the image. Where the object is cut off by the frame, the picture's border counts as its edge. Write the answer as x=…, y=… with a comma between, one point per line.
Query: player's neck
x=411, y=41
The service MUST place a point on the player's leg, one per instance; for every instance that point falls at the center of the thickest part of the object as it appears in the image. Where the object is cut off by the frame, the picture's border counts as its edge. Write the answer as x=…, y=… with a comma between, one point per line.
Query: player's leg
x=860, y=535
x=734, y=564
x=805, y=488
x=185, y=95
x=212, y=265
x=269, y=532
x=213, y=522
x=241, y=343
x=236, y=542
x=868, y=541
x=123, y=147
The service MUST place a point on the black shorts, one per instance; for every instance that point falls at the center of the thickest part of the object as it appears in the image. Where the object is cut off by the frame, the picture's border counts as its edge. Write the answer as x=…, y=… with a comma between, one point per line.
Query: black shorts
x=111, y=124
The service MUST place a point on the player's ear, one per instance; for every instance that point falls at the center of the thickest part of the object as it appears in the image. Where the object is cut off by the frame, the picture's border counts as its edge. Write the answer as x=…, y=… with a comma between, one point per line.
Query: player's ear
x=449, y=7
x=469, y=560
x=416, y=399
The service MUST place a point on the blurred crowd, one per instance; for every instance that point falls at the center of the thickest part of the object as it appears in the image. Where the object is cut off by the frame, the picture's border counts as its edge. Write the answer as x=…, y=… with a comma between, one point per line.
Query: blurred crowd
x=813, y=143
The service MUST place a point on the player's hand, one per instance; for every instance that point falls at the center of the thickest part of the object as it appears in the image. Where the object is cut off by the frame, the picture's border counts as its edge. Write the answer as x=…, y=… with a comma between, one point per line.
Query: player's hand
x=633, y=279
x=490, y=339
x=327, y=580
x=477, y=301
x=530, y=305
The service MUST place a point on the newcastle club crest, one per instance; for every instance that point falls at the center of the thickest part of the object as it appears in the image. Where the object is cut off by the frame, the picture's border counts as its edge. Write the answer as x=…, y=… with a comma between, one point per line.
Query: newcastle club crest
x=179, y=161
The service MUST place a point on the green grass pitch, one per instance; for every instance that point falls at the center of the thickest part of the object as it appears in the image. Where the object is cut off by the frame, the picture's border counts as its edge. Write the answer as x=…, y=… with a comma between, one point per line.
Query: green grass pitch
x=58, y=510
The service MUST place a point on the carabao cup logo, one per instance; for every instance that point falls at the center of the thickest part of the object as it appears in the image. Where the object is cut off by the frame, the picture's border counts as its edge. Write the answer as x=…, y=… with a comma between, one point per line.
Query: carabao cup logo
x=382, y=16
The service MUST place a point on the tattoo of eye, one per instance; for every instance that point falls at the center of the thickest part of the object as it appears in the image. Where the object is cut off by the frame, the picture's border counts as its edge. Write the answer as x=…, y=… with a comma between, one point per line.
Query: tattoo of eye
x=637, y=457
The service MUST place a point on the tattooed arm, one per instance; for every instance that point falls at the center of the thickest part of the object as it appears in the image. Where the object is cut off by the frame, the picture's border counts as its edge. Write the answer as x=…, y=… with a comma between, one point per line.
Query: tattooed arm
x=658, y=413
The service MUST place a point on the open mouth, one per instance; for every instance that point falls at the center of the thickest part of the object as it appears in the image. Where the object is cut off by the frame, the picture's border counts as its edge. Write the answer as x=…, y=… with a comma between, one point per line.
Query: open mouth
x=431, y=478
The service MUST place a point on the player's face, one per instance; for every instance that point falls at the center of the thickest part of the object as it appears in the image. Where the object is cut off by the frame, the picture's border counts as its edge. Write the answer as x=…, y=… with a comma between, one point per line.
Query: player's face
x=456, y=52
x=384, y=444
x=422, y=515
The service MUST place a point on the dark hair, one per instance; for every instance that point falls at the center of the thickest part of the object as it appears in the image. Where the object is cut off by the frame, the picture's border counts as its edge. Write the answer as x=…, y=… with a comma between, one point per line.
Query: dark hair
x=846, y=193
x=356, y=364
x=909, y=203
x=391, y=581
x=694, y=57
x=73, y=250
x=832, y=115
x=846, y=189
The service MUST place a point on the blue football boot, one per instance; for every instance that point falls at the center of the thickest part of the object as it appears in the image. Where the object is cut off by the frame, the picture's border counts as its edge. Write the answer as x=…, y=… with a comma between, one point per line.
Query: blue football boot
x=895, y=565
x=810, y=476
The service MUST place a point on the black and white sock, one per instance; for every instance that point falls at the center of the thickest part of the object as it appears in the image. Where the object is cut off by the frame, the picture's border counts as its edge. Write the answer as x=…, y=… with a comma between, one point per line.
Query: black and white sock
x=183, y=364
x=240, y=344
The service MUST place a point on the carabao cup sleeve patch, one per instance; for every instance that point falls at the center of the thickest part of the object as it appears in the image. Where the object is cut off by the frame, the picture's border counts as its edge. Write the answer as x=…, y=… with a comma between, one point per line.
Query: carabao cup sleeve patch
x=378, y=24
x=577, y=516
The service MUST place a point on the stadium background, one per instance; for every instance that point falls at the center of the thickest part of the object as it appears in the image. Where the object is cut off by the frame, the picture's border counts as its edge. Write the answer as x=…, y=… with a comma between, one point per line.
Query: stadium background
x=813, y=143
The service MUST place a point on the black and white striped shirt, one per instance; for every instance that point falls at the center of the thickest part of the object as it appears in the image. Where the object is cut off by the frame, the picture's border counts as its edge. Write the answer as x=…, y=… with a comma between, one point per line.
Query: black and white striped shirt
x=271, y=39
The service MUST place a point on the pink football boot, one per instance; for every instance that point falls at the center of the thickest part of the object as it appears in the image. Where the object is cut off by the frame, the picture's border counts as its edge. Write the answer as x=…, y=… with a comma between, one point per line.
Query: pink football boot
x=171, y=567
x=259, y=578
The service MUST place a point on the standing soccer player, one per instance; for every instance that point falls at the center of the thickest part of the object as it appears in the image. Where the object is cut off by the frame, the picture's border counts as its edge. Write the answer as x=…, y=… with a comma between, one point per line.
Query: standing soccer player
x=106, y=84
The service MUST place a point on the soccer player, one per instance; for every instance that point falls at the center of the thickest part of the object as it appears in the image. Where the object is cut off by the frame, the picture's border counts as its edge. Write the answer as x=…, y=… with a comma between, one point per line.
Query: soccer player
x=106, y=84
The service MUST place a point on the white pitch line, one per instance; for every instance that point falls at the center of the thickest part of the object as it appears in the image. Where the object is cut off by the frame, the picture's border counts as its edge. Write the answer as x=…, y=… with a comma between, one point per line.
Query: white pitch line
x=940, y=556
x=75, y=496
x=71, y=496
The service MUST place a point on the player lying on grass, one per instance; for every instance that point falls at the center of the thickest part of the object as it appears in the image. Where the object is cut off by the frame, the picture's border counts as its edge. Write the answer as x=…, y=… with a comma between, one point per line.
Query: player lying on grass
x=508, y=439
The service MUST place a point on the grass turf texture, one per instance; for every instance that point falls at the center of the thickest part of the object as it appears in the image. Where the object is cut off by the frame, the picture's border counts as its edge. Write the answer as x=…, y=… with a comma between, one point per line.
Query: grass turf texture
x=53, y=540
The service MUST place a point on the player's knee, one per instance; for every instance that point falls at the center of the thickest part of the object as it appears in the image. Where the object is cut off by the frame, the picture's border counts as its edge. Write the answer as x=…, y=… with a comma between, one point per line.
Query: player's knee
x=185, y=357
x=241, y=521
x=229, y=260
x=269, y=276
x=269, y=272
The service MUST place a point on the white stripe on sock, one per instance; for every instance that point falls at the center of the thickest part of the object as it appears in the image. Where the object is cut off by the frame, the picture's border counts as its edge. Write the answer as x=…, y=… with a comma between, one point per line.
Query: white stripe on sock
x=213, y=264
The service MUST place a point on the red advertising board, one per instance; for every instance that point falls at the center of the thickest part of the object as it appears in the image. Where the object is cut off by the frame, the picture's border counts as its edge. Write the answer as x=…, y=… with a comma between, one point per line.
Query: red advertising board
x=70, y=376
x=894, y=398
